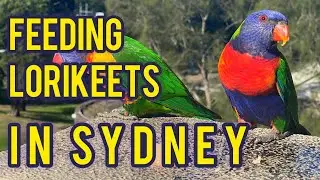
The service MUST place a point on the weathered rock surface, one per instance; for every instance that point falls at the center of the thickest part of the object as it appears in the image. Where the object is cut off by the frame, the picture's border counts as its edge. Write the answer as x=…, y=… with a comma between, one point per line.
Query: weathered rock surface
x=295, y=157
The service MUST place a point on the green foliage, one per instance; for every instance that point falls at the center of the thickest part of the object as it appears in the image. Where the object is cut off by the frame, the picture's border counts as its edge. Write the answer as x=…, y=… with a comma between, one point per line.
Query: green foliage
x=2, y=91
x=61, y=7
x=59, y=115
x=2, y=76
x=22, y=7
x=303, y=16
x=13, y=8
x=310, y=119
x=174, y=29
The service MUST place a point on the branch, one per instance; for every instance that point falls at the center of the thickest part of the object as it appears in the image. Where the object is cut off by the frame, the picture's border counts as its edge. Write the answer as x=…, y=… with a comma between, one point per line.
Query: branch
x=232, y=24
x=307, y=80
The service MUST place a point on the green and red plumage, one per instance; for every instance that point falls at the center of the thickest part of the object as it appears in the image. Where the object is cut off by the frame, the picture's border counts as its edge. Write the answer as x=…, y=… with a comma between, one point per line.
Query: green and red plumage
x=256, y=76
x=174, y=97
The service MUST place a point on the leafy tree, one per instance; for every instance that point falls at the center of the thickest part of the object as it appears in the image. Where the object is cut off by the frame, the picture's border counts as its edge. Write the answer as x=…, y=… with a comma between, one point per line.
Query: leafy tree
x=190, y=36
x=22, y=8
x=180, y=31
x=303, y=19
x=61, y=7
x=2, y=77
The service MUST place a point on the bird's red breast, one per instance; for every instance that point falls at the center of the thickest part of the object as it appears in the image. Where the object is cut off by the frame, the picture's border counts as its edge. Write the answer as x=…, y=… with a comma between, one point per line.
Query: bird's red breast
x=247, y=74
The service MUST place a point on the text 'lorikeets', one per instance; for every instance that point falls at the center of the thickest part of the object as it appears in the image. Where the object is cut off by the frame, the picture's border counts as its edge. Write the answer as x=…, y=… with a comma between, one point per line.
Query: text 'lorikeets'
x=256, y=76
x=174, y=97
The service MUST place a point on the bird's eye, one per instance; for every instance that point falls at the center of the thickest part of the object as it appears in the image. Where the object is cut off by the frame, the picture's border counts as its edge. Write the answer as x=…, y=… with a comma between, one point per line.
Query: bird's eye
x=263, y=18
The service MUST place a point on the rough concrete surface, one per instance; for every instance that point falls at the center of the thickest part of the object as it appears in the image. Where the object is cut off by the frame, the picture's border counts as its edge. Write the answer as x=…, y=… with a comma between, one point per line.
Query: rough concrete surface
x=295, y=157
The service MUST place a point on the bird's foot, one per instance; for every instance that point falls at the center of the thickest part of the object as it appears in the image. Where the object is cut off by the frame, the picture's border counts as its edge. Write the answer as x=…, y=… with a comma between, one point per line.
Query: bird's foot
x=118, y=110
x=240, y=120
x=121, y=113
x=126, y=113
x=251, y=124
x=127, y=100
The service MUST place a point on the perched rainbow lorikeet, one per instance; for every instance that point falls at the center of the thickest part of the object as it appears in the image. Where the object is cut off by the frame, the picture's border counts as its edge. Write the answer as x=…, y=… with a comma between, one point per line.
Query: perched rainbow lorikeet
x=174, y=97
x=256, y=76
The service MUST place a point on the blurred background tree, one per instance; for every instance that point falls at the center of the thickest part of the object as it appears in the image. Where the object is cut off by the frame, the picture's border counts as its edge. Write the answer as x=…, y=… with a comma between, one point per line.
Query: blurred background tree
x=190, y=36
x=24, y=8
x=2, y=87
x=28, y=8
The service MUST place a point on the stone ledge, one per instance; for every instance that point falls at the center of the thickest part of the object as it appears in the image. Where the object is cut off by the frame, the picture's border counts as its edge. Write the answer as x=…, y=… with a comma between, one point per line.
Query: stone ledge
x=295, y=157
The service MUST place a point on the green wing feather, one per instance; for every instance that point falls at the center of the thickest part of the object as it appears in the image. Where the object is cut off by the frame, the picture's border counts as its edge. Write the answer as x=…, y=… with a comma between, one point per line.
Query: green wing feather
x=174, y=94
x=289, y=96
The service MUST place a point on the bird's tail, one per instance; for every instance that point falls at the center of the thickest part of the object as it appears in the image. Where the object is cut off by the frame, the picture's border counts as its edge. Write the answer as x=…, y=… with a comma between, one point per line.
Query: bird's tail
x=187, y=106
x=302, y=130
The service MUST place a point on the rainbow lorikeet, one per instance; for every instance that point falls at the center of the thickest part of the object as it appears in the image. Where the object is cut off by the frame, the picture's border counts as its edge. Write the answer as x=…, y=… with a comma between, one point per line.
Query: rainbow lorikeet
x=256, y=76
x=174, y=97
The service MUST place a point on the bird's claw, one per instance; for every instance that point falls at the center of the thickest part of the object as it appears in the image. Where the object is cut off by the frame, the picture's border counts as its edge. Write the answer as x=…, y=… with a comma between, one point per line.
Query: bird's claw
x=118, y=110
x=122, y=114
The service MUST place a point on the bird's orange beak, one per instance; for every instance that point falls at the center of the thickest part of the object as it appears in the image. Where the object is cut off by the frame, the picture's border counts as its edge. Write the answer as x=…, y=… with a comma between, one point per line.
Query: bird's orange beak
x=281, y=33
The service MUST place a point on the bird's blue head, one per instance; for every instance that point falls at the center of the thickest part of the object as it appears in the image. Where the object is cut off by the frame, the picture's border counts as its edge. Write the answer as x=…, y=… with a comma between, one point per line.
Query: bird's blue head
x=260, y=32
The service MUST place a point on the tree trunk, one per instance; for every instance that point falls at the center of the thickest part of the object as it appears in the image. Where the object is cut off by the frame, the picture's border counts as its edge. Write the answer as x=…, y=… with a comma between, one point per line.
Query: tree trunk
x=23, y=105
x=206, y=86
x=203, y=24
x=203, y=68
x=15, y=108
